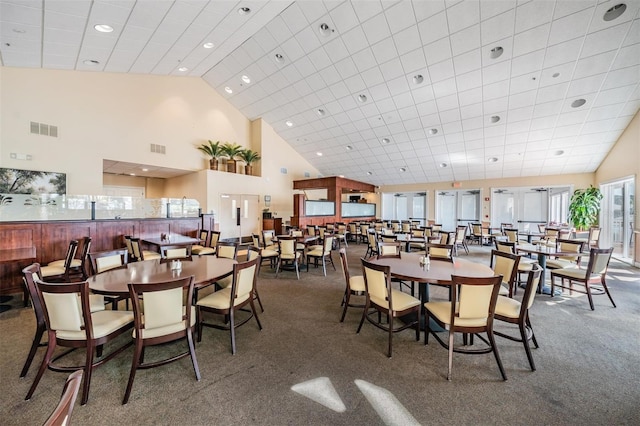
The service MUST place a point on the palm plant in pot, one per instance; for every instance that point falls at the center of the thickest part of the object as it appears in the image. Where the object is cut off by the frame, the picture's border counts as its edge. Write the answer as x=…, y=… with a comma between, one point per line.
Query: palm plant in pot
x=249, y=157
x=585, y=207
x=213, y=150
x=231, y=151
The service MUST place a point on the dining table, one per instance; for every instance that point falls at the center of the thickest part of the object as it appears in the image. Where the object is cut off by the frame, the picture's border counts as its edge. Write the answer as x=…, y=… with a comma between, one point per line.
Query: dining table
x=542, y=252
x=205, y=269
x=170, y=240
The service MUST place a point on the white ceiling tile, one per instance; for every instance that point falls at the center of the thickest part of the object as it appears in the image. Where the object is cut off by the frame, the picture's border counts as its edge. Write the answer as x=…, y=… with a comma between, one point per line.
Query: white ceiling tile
x=441, y=71
x=621, y=77
x=437, y=51
x=368, y=9
x=425, y=9
x=531, y=40
x=492, y=8
x=562, y=53
x=594, y=64
x=463, y=15
x=570, y=26
x=497, y=27
x=376, y=29
x=433, y=28
x=533, y=14
x=465, y=40
x=400, y=16
x=414, y=61
x=627, y=57
x=407, y=40
x=603, y=41
x=527, y=64
x=469, y=80
x=384, y=50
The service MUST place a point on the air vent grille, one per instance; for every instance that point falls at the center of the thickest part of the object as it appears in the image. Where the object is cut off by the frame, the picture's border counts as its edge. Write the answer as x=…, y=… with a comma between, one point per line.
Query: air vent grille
x=158, y=149
x=43, y=129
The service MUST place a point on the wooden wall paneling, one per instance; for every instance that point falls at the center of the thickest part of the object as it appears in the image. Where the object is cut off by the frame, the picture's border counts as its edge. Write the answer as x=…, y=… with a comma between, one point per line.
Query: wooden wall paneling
x=185, y=226
x=110, y=234
x=57, y=235
x=16, y=236
x=153, y=228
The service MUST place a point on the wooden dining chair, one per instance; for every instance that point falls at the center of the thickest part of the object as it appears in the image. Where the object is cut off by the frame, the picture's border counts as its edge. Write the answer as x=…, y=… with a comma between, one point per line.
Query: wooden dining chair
x=175, y=252
x=140, y=254
x=61, y=415
x=354, y=285
x=515, y=312
x=205, y=248
x=461, y=239
x=230, y=300
x=322, y=255
x=381, y=298
x=70, y=323
x=106, y=261
x=253, y=253
x=266, y=254
x=389, y=248
x=471, y=311
x=440, y=251
x=506, y=265
x=167, y=317
x=288, y=255
x=61, y=272
x=78, y=266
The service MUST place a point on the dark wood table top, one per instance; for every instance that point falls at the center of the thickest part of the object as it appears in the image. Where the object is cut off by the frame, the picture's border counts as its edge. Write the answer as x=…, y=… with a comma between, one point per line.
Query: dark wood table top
x=407, y=267
x=205, y=269
x=171, y=240
x=11, y=255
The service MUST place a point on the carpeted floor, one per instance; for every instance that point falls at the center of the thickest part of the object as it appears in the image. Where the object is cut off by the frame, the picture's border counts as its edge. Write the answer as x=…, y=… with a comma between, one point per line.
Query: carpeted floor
x=587, y=366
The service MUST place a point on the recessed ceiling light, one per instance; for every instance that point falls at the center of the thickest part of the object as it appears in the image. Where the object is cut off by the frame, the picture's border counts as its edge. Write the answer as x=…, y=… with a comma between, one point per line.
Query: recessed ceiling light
x=369, y=173
x=403, y=169
x=556, y=75
x=228, y=90
x=442, y=165
x=495, y=118
x=433, y=131
x=418, y=78
x=614, y=12
x=279, y=58
x=386, y=140
x=325, y=30
x=90, y=62
x=145, y=170
x=103, y=28
x=246, y=79
x=362, y=98
x=578, y=103
x=349, y=147
x=558, y=153
x=244, y=11
x=320, y=112
x=288, y=123
x=183, y=69
x=496, y=52
x=493, y=159
x=319, y=154
x=208, y=45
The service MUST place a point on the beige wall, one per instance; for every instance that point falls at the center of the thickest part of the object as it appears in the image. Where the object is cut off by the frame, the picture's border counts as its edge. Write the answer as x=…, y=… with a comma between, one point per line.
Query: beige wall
x=117, y=117
x=582, y=180
x=624, y=161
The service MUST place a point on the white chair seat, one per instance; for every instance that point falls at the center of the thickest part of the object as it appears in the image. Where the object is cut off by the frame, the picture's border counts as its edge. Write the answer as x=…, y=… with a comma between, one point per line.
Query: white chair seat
x=96, y=302
x=356, y=283
x=50, y=271
x=202, y=250
x=504, y=291
x=560, y=264
x=574, y=273
x=507, y=307
x=442, y=311
x=104, y=323
x=221, y=299
x=315, y=252
x=290, y=256
x=401, y=301
x=268, y=253
x=75, y=263
x=149, y=333
x=150, y=255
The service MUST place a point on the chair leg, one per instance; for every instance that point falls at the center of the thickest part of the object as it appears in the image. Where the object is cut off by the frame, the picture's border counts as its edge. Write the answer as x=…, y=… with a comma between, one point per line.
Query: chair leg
x=324, y=266
x=88, y=369
x=533, y=335
x=43, y=366
x=364, y=313
x=494, y=348
x=345, y=302
x=199, y=323
x=298, y=269
x=606, y=289
x=390, y=321
x=40, y=329
x=192, y=352
x=589, y=295
x=527, y=349
x=255, y=314
x=137, y=356
x=232, y=327
x=450, y=364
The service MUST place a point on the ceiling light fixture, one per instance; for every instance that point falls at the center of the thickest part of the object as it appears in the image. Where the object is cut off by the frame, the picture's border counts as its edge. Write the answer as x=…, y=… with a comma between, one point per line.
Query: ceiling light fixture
x=246, y=79
x=288, y=123
x=614, y=12
x=496, y=52
x=558, y=153
x=325, y=30
x=103, y=28
x=183, y=69
x=228, y=90
x=279, y=58
x=369, y=173
x=319, y=154
x=90, y=62
x=208, y=45
x=244, y=11
x=556, y=75
x=321, y=112
x=578, y=103
x=362, y=98
x=349, y=147
x=403, y=169
x=418, y=78
x=495, y=118
x=433, y=131
x=386, y=140
x=493, y=159
x=442, y=165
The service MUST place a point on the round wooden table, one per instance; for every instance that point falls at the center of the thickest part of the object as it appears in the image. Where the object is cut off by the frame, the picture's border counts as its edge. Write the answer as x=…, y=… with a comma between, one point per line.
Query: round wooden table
x=205, y=269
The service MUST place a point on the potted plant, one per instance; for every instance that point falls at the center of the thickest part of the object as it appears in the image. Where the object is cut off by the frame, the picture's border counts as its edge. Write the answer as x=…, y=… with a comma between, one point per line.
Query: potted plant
x=231, y=151
x=213, y=150
x=249, y=157
x=585, y=207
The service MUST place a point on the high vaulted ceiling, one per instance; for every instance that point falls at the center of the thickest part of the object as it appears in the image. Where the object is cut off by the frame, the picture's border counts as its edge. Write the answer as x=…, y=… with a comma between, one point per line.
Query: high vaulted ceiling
x=389, y=92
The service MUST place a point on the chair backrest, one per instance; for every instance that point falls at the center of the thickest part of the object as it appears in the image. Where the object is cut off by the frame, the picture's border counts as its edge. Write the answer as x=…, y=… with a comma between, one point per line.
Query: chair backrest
x=533, y=280
x=107, y=260
x=594, y=236
x=331, y=227
x=84, y=255
x=395, y=226
x=476, y=297
x=321, y=231
x=296, y=233
x=440, y=251
x=461, y=234
x=372, y=240
x=255, y=238
x=542, y=227
x=345, y=265
x=64, y=311
x=327, y=244
x=505, y=246
x=253, y=252
x=389, y=249
x=570, y=246
x=137, y=250
x=30, y=275
x=406, y=227
x=127, y=243
x=62, y=412
x=377, y=281
x=505, y=264
x=599, y=261
x=436, y=227
x=446, y=237
x=203, y=235
x=287, y=246
x=512, y=235
x=164, y=306
x=311, y=230
x=418, y=233
x=244, y=280
x=388, y=238
x=227, y=249
x=172, y=252
x=476, y=229
x=214, y=237
x=71, y=254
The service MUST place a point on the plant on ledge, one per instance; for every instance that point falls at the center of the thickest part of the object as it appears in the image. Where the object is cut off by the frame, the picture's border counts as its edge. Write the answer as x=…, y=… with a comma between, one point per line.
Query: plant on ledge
x=249, y=157
x=213, y=150
x=584, y=207
x=231, y=150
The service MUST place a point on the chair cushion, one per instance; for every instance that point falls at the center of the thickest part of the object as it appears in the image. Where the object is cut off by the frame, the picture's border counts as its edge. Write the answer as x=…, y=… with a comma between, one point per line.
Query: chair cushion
x=268, y=253
x=225, y=282
x=75, y=263
x=442, y=311
x=150, y=255
x=315, y=252
x=104, y=323
x=525, y=266
x=290, y=256
x=149, y=333
x=401, y=301
x=356, y=283
x=507, y=307
x=576, y=273
x=50, y=271
x=201, y=250
x=504, y=291
x=96, y=302
x=221, y=299
x=560, y=264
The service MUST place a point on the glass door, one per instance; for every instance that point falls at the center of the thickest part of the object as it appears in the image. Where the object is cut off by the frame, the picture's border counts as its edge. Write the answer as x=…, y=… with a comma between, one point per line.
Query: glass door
x=404, y=206
x=239, y=216
x=616, y=218
x=457, y=208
